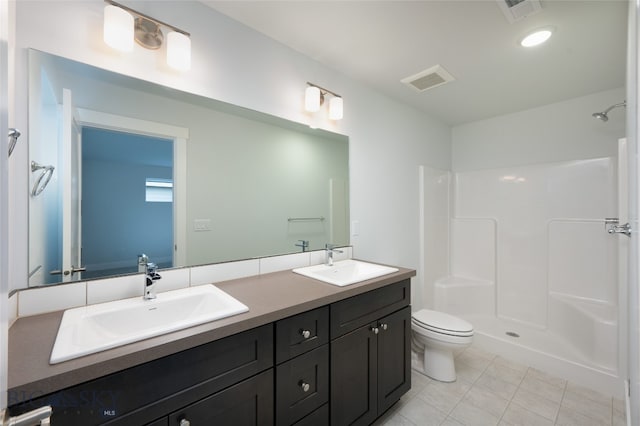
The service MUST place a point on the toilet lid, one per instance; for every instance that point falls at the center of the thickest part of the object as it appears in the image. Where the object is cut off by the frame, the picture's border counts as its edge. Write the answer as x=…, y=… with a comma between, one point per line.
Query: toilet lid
x=441, y=322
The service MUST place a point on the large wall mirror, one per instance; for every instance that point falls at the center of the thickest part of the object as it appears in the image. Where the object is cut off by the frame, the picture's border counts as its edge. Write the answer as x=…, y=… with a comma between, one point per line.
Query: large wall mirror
x=121, y=167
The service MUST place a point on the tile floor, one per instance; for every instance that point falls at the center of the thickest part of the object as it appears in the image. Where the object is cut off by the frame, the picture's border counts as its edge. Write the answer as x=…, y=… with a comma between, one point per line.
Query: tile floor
x=493, y=391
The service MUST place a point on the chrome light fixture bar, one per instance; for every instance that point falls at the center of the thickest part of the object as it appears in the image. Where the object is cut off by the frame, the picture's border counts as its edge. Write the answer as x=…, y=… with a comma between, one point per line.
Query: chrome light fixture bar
x=314, y=97
x=123, y=25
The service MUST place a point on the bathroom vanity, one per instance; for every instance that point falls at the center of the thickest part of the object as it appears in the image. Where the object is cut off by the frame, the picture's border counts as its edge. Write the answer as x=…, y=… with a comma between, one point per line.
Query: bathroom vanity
x=306, y=353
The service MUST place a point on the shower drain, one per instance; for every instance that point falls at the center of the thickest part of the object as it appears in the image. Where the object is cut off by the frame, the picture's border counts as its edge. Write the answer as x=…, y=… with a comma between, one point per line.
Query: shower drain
x=512, y=334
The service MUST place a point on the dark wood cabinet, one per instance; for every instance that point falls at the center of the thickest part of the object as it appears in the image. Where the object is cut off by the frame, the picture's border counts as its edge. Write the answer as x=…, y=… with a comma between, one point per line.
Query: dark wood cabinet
x=302, y=376
x=301, y=333
x=354, y=360
x=320, y=417
x=249, y=403
x=147, y=392
x=394, y=358
x=302, y=385
x=340, y=364
x=370, y=365
x=354, y=312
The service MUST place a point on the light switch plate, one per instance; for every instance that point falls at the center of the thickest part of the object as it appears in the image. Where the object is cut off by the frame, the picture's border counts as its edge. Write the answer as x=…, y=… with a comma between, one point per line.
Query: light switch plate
x=202, y=225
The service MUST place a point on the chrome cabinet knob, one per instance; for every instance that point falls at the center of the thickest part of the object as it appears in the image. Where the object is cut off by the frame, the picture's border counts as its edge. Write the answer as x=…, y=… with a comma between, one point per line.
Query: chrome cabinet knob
x=185, y=422
x=305, y=333
x=375, y=330
x=384, y=326
x=304, y=386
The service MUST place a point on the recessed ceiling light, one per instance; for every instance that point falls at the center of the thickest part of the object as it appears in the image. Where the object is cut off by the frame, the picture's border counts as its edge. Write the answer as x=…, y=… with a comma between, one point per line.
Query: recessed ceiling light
x=537, y=37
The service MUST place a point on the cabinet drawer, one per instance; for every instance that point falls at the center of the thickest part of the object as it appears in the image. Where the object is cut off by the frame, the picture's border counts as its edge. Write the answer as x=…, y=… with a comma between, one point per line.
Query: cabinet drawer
x=302, y=385
x=350, y=314
x=320, y=417
x=301, y=333
x=146, y=392
x=249, y=403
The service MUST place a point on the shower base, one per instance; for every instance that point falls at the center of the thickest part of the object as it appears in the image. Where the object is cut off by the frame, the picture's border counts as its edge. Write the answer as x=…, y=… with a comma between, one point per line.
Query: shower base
x=544, y=350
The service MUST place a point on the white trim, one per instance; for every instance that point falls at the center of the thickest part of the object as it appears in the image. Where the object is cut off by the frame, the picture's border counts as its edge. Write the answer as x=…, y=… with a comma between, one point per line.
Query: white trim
x=179, y=135
x=4, y=205
x=633, y=277
x=107, y=121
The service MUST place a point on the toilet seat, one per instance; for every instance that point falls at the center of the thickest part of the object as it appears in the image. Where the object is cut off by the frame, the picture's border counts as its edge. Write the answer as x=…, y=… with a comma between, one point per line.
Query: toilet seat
x=441, y=323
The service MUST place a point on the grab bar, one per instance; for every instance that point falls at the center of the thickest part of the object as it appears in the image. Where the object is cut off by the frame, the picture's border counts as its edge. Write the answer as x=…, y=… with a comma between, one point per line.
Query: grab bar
x=305, y=219
x=14, y=134
x=39, y=186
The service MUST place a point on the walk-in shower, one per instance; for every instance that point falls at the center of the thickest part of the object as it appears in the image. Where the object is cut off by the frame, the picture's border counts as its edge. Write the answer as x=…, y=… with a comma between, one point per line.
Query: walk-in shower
x=603, y=115
x=531, y=264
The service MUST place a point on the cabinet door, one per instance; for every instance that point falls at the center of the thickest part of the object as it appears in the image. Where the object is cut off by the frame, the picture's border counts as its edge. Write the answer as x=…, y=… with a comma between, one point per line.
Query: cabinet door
x=353, y=378
x=249, y=403
x=394, y=358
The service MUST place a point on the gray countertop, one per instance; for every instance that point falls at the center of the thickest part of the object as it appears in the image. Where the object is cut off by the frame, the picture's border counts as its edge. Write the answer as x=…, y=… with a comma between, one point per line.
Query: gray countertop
x=270, y=297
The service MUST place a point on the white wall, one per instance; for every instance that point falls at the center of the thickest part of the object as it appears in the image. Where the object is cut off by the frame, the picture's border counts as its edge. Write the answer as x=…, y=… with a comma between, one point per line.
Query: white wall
x=562, y=131
x=234, y=64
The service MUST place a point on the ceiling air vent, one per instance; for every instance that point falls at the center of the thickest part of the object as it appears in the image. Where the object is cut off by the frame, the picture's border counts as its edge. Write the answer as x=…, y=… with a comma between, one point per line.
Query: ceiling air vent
x=515, y=10
x=428, y=79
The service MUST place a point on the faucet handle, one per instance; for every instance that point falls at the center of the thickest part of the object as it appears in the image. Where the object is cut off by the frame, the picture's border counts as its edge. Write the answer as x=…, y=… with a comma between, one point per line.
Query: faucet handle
x=332, y=248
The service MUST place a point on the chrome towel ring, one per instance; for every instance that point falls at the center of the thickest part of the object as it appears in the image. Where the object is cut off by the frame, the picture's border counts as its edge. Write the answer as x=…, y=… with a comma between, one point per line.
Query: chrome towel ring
x=43, y=179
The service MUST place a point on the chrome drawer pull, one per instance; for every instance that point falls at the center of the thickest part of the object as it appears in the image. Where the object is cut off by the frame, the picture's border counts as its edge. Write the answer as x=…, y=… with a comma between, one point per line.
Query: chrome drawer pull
x=384, y=326
x=185, y=422
x=305, y=333
x=375, y=330
x=304, y=386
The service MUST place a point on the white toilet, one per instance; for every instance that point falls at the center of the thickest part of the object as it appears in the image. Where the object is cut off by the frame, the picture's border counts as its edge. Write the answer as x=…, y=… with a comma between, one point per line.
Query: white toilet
x=437, y=335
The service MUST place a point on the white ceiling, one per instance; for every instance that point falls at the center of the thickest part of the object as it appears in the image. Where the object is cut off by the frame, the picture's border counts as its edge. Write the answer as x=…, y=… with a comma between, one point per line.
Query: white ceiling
x=381, y=42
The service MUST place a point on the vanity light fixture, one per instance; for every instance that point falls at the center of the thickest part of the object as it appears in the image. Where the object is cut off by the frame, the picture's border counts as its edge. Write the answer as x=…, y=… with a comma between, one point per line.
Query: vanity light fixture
x=123, y=25
x=314, y=96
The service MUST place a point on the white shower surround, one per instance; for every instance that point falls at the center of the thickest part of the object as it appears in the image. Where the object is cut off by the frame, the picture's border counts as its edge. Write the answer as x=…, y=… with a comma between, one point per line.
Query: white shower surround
x=529, y=254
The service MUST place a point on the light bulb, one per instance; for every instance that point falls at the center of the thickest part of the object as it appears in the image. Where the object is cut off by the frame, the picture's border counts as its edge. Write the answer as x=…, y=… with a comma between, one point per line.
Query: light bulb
x=118, y=28
x=536, y=38
x=179, y=51
x=312, y=99
x=336, y=108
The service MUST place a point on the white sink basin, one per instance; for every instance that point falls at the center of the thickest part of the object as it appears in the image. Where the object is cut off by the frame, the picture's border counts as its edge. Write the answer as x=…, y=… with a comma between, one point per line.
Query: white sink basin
x=94, y=328
x=345, y=272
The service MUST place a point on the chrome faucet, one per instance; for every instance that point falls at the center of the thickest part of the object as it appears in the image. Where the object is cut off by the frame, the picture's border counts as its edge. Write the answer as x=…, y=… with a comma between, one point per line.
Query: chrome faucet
x=304, y=244
x=330, y=250
x=143, y=259
x=151, y=275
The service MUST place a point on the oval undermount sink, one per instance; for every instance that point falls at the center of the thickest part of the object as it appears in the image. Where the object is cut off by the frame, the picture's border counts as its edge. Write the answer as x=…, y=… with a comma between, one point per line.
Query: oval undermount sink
x=94, y=328
x=345, y=272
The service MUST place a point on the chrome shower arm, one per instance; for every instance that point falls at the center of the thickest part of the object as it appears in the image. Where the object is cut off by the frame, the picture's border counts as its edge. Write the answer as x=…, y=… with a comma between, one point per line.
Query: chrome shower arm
x=621, y=104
